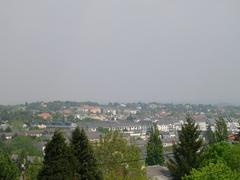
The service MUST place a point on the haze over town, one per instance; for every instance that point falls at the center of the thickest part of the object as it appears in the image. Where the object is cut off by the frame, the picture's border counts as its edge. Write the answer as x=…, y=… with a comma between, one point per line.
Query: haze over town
x=125, y=51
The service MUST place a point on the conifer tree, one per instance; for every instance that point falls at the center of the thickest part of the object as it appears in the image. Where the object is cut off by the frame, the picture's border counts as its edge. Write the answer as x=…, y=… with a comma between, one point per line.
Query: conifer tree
x=86, y=163
x=210, y=136
x=58, y=160
x=221, y=132
x=154, y=148
x=187, y=152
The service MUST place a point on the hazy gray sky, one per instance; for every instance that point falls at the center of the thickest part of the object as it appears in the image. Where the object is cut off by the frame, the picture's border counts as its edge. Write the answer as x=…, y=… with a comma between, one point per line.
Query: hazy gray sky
x=123, y=50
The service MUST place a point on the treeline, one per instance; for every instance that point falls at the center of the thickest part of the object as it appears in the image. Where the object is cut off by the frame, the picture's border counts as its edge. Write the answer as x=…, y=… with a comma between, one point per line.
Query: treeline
x=110, y=158
x=8, y=114
x=194, y=158
x=214, y=159
x=114, y=158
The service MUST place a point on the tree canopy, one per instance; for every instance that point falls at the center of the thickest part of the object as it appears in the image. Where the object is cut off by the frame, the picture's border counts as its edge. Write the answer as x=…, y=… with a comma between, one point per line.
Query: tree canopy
x=213, y=172
x=86, y=163
x=221, y=133
x=154, y=148
x=187, y=152
x=58, y=161
x=8, y=169
x=118, y=159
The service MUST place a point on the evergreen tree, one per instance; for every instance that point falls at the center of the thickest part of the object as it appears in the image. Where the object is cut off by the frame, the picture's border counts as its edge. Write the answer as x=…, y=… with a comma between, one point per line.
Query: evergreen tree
x=86, y=166
x=154, y=148
x=58, y=160
x=221, y=132
x=210, y=136
x=187, y=152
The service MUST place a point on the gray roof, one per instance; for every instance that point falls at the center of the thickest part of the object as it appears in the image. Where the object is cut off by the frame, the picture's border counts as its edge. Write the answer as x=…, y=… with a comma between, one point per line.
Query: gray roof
x=158, y=172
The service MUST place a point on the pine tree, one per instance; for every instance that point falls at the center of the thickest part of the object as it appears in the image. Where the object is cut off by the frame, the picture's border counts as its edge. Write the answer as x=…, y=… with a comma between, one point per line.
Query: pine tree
x=58, y=160
x=154, y=148
x=221, y=132
x=210, y=136
x=187, y=152
x=82, y=149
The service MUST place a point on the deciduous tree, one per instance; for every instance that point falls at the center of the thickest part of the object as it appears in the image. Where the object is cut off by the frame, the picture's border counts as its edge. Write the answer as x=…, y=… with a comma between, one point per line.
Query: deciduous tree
x=118, y=159
x=8, y=170
x=213, y=172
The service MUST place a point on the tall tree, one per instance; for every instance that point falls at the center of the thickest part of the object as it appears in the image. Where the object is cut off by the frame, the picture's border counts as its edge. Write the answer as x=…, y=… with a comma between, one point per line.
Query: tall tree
x=154, y=148
x=221, y=132
x=210, y=136
x=83, y=151
x=58, y=161
x=8, y=170
x=187, y=152
x=119, y=160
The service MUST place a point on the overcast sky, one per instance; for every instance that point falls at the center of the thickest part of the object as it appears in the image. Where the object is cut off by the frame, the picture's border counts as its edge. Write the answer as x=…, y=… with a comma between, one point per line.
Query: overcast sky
x=125, y=50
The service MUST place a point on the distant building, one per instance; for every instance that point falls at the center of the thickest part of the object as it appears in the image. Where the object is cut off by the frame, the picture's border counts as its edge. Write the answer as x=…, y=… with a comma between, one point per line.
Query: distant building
x=202, y=126
x=90, y=109
x=163, y=127
x=45, y=115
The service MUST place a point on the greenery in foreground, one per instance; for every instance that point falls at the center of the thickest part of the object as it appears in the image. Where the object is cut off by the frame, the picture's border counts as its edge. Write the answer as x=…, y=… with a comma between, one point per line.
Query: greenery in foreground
x=187, y=152
x=114, y=158
x=154, y=148
x=8, y=169
x=58, y=161
x=221, y=161
x=193, y=161
x=119, y=160
x=86, y=167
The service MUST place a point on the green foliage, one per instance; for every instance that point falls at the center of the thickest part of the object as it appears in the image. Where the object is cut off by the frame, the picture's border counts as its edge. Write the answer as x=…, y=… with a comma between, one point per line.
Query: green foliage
x=223, y=152
x=86, y=163
x=57, y=116
x=11, y=113
x=26, y=144
x=33, y=170
x=8, y=170
x=154, y=148
x=16, y=124
x=71, y=118
x=58, y=160
x=221, y=132
x=103, y=130
x=118, y=159
x=88, y=119
x=213, y=172
x=187, y=152
x=221, y=161
x=210, y=136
